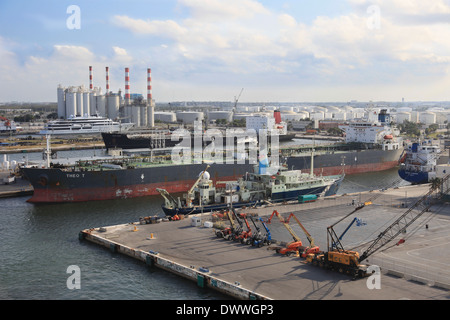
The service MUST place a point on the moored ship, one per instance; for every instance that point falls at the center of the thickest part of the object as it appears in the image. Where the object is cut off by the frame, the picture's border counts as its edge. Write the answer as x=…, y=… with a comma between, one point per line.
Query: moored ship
x=264, y=184
x=83, y=125
x=141, y=176
x=419, y=164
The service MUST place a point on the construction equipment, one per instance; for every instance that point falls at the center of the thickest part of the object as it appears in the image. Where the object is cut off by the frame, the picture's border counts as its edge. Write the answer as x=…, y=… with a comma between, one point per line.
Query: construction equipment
x=245, y=236
x=304, y=251
x=292, y=247
x=234, y=230
x=358, y=221
x=337, y=258
x=259, y=239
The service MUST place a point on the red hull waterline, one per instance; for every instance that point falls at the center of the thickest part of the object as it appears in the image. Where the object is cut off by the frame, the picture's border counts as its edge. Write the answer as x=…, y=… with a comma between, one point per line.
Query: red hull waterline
x=93, y=194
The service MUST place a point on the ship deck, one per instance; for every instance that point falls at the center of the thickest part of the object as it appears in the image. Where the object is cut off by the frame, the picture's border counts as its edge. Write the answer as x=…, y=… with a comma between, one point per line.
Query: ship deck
x=417, y=269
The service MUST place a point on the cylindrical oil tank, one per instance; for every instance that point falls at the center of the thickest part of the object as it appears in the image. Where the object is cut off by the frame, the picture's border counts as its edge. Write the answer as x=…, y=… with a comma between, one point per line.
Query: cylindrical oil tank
x=143, y=116
x=135, y=115
x=165, y=116
x=317, y=115
x=101, y=105
x=71, y=102
x=402, y=116
x=427, y=117
x=189, y=116
x=216, y=115
x=151, y=116
x=92, y=102
x=113, y=104
x=86, y=103
x=80, y=108
x=61, y=102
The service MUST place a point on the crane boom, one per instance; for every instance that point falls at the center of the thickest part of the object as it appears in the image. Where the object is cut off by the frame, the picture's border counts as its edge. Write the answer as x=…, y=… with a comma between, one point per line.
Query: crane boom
x=308, y=235
x=399, y=225
x=285, y=224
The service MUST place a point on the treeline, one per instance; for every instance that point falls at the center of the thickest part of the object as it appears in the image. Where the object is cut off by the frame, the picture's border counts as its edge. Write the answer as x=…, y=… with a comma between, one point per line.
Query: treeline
x=413, y=129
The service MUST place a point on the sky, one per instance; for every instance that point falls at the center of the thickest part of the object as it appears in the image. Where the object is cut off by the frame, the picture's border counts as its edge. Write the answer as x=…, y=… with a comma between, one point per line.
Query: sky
x=209, y=50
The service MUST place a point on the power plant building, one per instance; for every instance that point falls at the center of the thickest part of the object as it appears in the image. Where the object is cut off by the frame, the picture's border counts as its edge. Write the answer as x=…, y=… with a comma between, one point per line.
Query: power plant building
x=78, y=101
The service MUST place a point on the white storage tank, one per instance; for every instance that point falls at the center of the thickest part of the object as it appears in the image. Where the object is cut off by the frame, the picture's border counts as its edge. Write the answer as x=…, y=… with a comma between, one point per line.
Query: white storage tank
x=427, y=117
x=101, y=105
x=86, y=103
x=143, y=120
x=216, y=115
x=80, y=108
x=189, y=116
x=61, y=95
x=113, y=104
x=71, y=102
x=317, y=115
x=402, y=116
x=165, y=116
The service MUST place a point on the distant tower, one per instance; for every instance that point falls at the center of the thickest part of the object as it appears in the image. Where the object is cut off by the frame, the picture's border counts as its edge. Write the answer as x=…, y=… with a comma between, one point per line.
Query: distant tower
x=127, y=87
x=91, y=84
x=151, y=107
x=107, y=80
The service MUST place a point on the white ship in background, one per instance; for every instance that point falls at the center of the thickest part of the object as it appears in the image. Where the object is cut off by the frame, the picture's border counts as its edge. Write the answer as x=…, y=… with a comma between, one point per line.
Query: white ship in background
x=373, y=130
x=84, y=125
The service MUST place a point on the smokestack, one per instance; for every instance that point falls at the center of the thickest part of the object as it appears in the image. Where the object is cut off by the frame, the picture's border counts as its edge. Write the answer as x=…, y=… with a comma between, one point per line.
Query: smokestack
x=91, y=85
x=107, y=80
x=151, y=110
x=127, y=86
x=149, y=86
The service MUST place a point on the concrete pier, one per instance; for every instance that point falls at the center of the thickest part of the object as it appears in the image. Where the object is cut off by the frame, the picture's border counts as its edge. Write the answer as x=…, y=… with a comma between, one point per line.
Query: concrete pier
x=417, y=269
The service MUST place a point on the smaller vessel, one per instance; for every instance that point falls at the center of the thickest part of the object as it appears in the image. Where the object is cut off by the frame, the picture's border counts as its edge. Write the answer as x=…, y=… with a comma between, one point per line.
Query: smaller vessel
x=419, y=163
x=83, y=125
x=265, y=184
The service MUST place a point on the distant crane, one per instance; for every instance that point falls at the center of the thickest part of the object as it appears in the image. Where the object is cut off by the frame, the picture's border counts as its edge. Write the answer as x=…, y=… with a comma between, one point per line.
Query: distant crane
x=237, y=99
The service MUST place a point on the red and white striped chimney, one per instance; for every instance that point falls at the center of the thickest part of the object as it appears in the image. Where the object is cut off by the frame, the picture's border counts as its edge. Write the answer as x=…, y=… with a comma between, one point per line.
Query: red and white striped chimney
x=107, y=79
x=127, y=86
x=91, y=85
x=149, y=86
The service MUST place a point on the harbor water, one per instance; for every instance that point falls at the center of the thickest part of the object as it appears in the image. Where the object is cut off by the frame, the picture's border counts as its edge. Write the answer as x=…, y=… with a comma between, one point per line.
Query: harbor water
x=40, y=244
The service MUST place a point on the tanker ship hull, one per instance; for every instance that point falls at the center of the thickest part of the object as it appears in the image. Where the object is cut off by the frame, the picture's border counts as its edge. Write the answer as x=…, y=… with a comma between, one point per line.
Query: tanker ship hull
x=61, y=185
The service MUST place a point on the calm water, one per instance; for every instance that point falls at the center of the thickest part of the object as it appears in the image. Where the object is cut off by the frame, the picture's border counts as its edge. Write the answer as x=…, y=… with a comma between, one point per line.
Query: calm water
x=39, y=243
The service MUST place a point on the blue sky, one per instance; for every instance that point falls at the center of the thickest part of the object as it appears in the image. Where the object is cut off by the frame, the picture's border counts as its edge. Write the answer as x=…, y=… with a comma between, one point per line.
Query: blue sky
x=291, y=50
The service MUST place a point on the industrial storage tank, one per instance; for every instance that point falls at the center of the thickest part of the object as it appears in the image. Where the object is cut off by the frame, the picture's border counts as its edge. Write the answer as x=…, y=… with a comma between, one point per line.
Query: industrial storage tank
x=71, y=102
x=216, y=115
x=113, y=104
x=427, y=117
x=80, y=107
x=143, y=117
x=86, y=103
x=93, y=101
x=165, y=116
x=61, y=95
x=402, y=116
x=100, y=102
x=189, y=116
x=240, y=116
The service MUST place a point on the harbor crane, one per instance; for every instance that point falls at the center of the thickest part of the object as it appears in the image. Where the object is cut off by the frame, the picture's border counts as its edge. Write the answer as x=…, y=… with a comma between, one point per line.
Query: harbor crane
x=347, y=261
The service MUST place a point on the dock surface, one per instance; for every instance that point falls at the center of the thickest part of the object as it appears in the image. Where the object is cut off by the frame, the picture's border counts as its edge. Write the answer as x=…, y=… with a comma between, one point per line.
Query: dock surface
x=418, y=269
